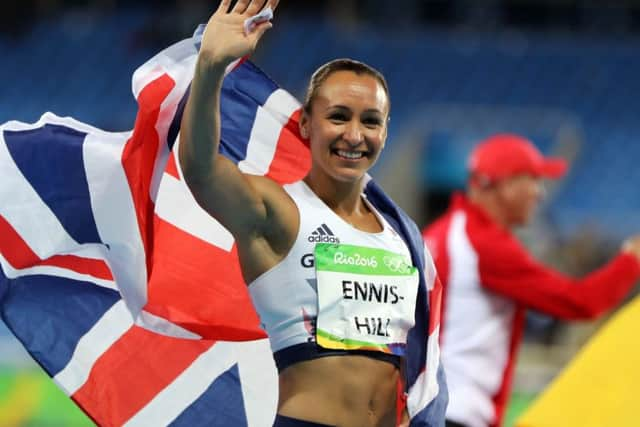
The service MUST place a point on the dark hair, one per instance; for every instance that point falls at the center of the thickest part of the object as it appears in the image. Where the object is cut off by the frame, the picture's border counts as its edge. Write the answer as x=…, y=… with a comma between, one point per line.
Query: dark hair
x=343, y=64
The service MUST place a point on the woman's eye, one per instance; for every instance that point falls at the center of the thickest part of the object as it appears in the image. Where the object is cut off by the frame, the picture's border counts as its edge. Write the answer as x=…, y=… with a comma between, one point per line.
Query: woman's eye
x=338, y=117
x=372, y=122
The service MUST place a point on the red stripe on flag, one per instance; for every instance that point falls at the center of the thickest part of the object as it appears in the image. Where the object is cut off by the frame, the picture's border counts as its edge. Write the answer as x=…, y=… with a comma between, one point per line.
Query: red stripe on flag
x=92, y=267
x=435, y=305
x=133, y=371
x=141, y=151
x=172, y=168
x=292, y=159
x=14, y=249
x=200, y=287
x=18, y=253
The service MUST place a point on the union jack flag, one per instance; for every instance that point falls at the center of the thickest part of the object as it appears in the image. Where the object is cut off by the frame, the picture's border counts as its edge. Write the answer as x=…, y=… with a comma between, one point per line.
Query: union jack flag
x=127, y=293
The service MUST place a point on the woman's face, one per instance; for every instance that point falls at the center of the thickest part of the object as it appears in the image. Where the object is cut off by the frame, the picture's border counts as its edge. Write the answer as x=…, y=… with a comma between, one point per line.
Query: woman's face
x=347, y=125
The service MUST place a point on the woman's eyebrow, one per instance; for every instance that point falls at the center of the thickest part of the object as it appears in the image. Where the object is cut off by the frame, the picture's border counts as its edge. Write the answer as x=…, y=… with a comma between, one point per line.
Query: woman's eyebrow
x=344, y=107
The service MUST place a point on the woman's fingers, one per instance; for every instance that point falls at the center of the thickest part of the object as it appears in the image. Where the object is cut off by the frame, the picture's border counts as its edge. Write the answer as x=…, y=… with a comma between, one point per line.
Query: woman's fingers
x=255, y=7
x=247, y=7
x=223, y=6
x=241, y=6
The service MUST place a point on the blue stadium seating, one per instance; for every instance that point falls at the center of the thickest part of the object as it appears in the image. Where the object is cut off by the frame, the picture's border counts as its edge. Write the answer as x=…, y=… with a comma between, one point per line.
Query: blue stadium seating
x=73, y=68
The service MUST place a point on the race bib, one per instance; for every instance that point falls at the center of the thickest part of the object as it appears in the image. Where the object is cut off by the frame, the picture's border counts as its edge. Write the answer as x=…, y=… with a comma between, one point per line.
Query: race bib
x=366, y=298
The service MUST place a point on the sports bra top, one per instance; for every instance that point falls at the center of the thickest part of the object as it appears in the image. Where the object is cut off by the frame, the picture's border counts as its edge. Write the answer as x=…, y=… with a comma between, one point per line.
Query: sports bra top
x=286, y=295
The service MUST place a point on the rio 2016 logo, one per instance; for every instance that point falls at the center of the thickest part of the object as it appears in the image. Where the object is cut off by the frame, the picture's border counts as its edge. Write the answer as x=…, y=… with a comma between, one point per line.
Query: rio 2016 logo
x=355, y=259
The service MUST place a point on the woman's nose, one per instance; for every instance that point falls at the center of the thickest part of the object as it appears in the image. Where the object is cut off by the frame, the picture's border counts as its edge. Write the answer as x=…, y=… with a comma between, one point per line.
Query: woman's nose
x=353, y=134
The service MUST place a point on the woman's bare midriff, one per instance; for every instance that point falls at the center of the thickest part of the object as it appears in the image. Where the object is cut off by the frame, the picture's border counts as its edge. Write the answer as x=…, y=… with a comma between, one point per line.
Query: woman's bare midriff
x=343, y=391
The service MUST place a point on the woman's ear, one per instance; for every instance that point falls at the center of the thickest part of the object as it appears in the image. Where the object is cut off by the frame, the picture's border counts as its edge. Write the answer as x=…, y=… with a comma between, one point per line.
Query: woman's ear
x=303, y=125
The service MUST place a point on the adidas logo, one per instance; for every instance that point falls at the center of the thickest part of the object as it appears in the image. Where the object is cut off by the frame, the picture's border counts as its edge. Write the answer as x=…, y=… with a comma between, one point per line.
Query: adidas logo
x=323, y=234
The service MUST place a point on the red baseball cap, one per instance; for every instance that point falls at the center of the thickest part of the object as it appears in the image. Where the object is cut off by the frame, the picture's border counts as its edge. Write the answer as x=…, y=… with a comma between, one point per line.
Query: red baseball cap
x=504, y=155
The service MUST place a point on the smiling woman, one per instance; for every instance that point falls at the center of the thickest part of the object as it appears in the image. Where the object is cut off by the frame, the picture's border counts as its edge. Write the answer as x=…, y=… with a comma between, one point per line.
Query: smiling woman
x=346, y=110
x=340, y=359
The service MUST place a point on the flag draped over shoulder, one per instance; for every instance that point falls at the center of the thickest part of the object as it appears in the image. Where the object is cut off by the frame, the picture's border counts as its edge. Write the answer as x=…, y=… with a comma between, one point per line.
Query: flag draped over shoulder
x=127, y=293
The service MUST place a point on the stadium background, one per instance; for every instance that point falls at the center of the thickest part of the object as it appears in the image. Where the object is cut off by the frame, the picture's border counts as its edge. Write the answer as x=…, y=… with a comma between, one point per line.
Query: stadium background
x=564, y=72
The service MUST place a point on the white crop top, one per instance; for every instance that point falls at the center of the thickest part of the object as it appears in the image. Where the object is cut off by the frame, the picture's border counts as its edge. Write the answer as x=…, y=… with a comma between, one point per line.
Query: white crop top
x=285, y=296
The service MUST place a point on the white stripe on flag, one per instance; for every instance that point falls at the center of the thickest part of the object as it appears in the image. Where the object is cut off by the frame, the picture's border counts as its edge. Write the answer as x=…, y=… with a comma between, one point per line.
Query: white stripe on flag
x=259, y=379
x=174, y=61
x=177, y=206
x=189, y=386
x=429, y=269
x=48, y=270
x=270, y=119
x=426, y=387
x=163, y=326
x=111, y=326
x=113, y=211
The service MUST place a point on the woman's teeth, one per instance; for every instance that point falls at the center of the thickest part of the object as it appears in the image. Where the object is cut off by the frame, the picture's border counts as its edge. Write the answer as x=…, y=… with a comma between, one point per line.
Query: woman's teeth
x=350, y=154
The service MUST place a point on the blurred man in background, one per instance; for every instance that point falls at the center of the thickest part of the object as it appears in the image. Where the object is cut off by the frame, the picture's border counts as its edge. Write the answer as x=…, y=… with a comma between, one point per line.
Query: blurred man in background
x=490, y=279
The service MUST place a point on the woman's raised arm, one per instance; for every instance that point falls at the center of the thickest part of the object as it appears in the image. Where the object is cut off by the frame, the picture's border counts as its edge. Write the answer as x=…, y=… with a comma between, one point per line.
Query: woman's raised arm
x=233, y=198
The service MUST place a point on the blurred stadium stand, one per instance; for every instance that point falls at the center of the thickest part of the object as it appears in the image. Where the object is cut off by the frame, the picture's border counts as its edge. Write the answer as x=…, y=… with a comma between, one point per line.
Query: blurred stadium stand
x=564, y=73
x=78, y=62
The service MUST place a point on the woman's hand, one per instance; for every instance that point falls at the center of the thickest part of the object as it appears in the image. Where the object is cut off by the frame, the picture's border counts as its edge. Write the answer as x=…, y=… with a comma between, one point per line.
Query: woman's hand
x=225, y=40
